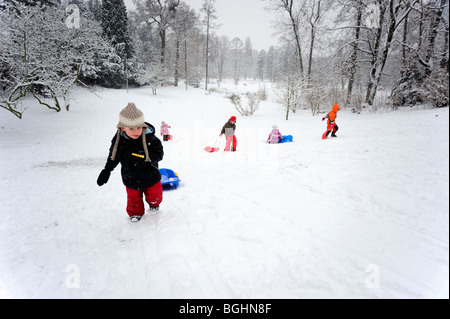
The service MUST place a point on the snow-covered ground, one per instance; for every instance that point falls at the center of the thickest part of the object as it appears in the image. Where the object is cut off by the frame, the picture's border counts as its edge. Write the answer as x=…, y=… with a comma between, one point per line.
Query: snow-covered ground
x=365, y=215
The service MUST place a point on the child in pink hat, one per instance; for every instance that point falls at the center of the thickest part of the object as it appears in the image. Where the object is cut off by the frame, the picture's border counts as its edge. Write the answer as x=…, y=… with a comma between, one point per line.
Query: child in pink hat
x=165, y=131
x=275, y=136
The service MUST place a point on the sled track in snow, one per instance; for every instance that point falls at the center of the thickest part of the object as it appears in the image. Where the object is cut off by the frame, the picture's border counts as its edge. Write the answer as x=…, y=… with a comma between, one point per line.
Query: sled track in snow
x=98, y=162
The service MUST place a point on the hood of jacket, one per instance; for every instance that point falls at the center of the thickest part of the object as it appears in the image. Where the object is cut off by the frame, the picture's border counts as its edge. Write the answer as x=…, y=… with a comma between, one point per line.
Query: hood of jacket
x=150, y=129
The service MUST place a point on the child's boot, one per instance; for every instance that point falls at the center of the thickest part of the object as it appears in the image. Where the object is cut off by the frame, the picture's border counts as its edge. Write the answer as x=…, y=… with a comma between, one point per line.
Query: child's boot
x=135, y=219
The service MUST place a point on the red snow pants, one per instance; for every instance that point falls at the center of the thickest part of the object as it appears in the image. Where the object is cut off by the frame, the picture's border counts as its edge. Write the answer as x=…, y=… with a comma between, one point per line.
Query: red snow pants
x=135, y=204
x=231, y=143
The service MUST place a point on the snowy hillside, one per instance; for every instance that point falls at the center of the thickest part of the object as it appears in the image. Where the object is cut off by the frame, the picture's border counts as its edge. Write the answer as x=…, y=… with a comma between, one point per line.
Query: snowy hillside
x=365, y=215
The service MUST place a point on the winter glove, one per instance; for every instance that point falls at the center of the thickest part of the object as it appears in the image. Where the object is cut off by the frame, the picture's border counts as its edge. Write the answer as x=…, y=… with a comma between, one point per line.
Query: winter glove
x=323, y=119
x=103, y=177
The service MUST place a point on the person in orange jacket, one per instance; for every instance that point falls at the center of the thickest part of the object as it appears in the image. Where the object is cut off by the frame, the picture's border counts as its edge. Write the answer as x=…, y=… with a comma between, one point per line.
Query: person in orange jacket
x=331, y=124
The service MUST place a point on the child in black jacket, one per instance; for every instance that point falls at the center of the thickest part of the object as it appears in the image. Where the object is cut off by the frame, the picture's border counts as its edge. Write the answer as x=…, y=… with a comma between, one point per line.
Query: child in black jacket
x=137, y=148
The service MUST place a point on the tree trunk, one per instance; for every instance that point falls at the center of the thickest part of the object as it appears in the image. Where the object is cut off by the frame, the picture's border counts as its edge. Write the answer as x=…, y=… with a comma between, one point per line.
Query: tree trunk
x=370, y=93
x=313, y=37
x=186, y=73
x=288, y=6
x=378, y=66
x=432, y=36
x=207, y=52
x=162, y=35
x=354, y=55
x=177, y=58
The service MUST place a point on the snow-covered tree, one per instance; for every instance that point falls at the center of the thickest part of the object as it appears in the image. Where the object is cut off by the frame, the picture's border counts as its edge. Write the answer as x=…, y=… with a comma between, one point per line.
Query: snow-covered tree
x=223, y=45
x=290, y=82
x=236, y=50
x=315, y=96
x=261, y=63
x=424, y=71
x=248, y=58
x=185, y=20
x=42, y=55
x=17, y=3
x=158, y=14
x=270, y=64
x=154, y=74
x=114, y=23
x=290, y=24
x=209, y=11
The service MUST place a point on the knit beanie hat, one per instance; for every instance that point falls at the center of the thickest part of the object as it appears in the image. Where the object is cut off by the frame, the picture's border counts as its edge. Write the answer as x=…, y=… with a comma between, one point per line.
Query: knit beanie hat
x=131, y=117
x=233, y=119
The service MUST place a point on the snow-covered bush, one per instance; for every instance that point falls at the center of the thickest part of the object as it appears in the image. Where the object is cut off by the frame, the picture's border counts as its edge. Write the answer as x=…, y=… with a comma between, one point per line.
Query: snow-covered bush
x=154, y=74
x=435, y=89
x=315, y=96
x=415, y=88
x=289, y=91
x=406, y=90
x=262, y=93
x=252, y=103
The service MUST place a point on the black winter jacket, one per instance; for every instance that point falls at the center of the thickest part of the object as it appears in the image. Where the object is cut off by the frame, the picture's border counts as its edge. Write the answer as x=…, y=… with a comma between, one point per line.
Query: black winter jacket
x=228, y=129
x=136, y=173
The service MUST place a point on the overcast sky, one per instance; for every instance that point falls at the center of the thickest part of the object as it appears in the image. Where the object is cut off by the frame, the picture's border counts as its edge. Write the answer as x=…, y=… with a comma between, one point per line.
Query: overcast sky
x=240, y=18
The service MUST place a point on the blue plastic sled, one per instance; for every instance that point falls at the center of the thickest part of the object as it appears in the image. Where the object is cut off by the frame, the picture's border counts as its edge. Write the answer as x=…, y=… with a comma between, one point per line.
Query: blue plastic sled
x=169, y=179
x=287, y=139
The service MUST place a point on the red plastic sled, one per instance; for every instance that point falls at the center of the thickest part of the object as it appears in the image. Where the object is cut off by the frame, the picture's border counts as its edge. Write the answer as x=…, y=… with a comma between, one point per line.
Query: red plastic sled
x=324, y=135
x=210, y=149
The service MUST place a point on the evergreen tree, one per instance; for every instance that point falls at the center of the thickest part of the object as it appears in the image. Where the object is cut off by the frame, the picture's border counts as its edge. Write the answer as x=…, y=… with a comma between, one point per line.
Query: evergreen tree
x=95, y=7
x=114, y=23
x=261, y=65
x=270, y=64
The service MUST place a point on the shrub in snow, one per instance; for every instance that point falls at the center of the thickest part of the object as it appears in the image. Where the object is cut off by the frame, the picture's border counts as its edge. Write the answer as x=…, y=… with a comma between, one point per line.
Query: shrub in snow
x=252, y=103
x=406, y=90
x=315, y=96
x=154, y=74
x=435, y=89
